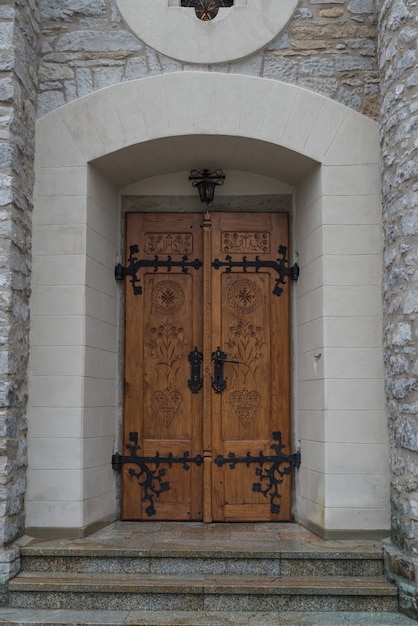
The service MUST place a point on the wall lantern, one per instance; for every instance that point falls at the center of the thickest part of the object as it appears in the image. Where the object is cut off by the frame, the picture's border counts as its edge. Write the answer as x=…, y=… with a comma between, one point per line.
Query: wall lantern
x=206, y=181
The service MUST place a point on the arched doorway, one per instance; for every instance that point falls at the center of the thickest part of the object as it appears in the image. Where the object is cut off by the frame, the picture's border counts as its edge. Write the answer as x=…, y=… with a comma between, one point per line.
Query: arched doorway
x=86, y=152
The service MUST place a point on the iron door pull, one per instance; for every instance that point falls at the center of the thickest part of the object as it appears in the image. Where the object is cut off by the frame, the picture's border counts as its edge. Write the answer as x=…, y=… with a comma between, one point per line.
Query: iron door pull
x=218, y=380
x=195, y=382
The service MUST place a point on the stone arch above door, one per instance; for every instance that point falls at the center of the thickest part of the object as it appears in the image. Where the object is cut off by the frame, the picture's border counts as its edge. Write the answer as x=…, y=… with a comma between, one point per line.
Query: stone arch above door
x=85, y=152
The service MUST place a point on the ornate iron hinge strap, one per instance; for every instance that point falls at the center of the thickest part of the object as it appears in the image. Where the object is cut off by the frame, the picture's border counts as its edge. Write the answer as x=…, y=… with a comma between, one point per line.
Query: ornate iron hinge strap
x=273, y=475
x=156, y=263
x=151, y=479
x=279, y=265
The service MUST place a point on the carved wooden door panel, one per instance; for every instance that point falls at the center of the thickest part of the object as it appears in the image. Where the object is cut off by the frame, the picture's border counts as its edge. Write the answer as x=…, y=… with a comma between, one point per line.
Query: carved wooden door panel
x=162, y=326
x=251, y=326
x=227, y=305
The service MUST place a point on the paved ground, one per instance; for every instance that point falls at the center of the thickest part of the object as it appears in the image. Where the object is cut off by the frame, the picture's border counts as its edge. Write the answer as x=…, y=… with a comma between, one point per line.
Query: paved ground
x=199, y=539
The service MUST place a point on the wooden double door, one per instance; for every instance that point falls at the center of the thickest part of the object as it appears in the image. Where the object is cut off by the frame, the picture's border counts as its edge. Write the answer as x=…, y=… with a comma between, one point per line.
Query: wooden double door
x=206, y=368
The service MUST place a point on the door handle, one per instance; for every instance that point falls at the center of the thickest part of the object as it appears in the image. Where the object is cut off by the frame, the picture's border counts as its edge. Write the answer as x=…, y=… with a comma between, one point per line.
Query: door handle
x=218, y=380
x=195, y=382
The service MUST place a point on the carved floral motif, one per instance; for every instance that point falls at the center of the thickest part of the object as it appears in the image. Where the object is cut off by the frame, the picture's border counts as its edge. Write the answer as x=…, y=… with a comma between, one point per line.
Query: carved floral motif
x=166, y=347
x=244, y=296
x=171, y=243
x=237, y=241
x=167, y=297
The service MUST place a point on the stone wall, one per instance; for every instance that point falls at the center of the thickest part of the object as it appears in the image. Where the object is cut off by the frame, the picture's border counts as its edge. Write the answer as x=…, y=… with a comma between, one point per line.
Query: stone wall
x=19, y=55
x=329, y=46
x=399, y=124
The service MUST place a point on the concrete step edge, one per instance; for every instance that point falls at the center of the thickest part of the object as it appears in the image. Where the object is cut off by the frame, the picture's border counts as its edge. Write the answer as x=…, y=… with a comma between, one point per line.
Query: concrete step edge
x=54, y=617
x=151, y=584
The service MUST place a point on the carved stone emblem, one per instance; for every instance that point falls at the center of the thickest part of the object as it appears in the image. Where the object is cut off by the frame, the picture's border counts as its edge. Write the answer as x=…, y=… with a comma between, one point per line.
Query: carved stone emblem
x=244, y=296
x=245, y=404
x=245, y=242
x=167, y=297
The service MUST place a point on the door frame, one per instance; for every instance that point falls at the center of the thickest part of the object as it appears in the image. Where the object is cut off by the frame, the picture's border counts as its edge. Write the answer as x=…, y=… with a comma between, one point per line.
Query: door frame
x=331, y=155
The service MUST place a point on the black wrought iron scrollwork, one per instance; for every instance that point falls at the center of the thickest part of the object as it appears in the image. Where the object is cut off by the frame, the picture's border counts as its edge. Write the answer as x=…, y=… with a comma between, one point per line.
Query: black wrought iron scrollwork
x=195, y=382
x=151, y=479
x=135, y=264
x=270, y=477
x=279, y=265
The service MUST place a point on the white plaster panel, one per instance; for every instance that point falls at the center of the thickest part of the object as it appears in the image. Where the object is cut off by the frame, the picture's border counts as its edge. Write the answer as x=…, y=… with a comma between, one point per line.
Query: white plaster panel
x=312, y=425
x=310, y=248
x=55, y=422
x=60, y=239
x=361, y=332
x=79, y=122
x=102, y=507
x=354, y=394
x=312, y=485
x=356, y=426
x=310, y=365
x=47, y=485
x=353, y=363
x=100, y=335
x=234, y=33
x=370, y=458
x=99, y=392
x=308, y=220
x=96, y=454
x=357, y=518
x=309, y=510
x=54, y=514
x=351, y=180
x=308, y=193
x=325, y=128
x=311, y=395
x=96, y=480
x=100, y=306
x=66, y=391
x=100, y=364
x=366, y=209
x=57, y=360
x=305, y=112
x=310, y=336
x=351, y=300
x=356, y=141
x=57, y=270
x=100, y=277
x=48, y=453
x=354, y=240
x=49, y=151
x=276, y=116
x=105, y=119
x=311, y=276
x=60, y=210
x=57, y=330
x=313, y=456
x=99, y=421
x=310, y=306
x=58, y=300
x=103, y=223
x=57, y=181
x=350, y=270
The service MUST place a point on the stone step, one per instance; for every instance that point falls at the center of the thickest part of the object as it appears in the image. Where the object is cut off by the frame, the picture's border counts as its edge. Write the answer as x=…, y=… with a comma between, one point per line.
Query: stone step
x=201, y=593
x=271, y=562
x=39, y=617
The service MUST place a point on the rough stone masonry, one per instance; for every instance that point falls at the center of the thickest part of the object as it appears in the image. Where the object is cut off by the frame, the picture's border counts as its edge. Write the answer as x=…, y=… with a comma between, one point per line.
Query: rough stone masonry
x=398, y=31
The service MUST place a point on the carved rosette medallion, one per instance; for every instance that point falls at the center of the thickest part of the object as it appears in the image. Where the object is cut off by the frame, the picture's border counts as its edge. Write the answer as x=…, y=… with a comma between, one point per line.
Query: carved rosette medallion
x=245, y=242
x=245, y=404
x=167, y=297
x=244, y=296
x=166, y=404
x=171, y=243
